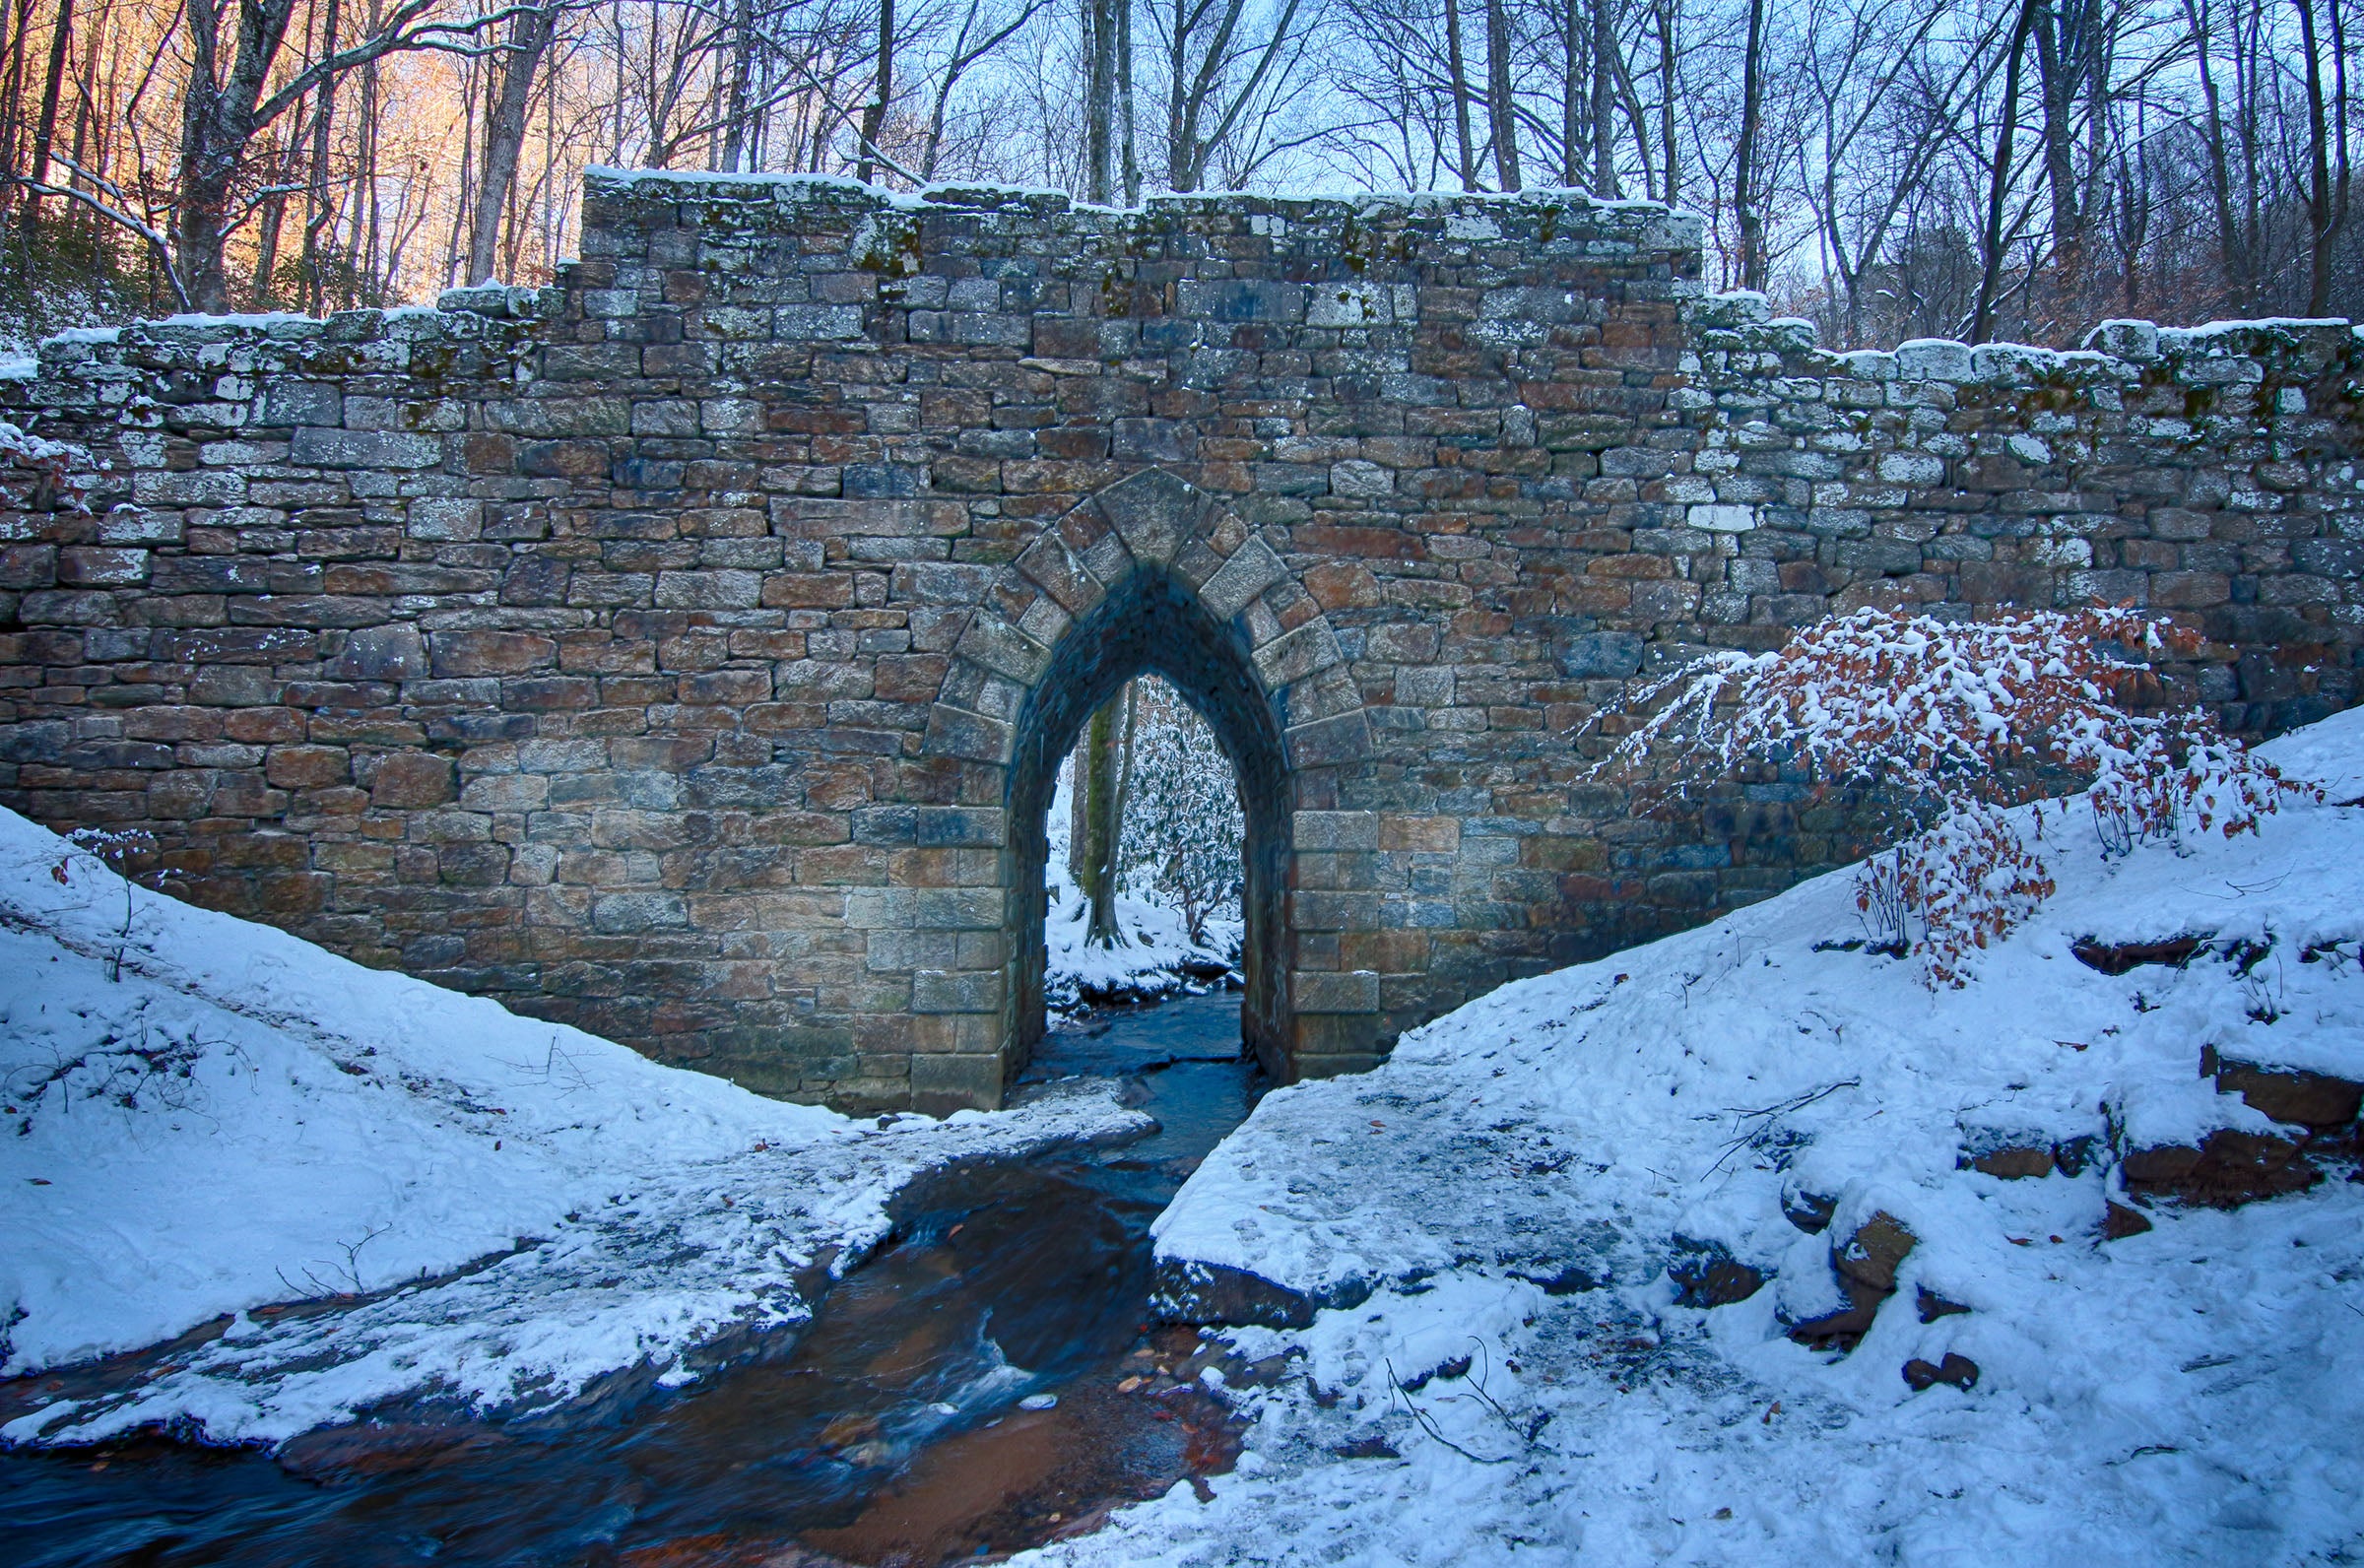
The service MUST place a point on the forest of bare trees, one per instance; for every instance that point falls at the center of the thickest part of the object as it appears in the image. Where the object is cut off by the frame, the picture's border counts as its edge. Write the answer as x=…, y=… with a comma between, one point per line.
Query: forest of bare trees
x=1977, y=169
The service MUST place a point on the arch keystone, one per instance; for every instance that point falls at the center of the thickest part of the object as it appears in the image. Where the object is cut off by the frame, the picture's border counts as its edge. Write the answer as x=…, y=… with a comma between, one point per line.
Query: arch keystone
x=1154, y=512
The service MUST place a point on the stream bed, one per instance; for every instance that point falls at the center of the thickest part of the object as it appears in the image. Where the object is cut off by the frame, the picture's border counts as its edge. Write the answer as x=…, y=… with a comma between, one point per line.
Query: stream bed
x=892, y=1432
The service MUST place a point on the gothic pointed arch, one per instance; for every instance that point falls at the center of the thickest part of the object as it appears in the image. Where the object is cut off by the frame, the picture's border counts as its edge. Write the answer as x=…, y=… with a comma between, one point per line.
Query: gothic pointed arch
x=1150, y=575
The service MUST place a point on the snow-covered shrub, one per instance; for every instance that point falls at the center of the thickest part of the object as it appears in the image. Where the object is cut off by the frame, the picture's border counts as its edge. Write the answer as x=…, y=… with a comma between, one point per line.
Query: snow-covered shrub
x=1182, y=826
x=1951, y=888
x=1966, y=718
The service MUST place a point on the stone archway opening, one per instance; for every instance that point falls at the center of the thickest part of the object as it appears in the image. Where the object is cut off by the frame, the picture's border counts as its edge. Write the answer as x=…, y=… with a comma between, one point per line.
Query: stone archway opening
x=1152, y=623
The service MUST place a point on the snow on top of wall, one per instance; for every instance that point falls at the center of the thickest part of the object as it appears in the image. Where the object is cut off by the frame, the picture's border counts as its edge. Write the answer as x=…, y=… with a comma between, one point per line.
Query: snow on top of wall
x=236, y=321
x=2111, y=349
x=791, y=187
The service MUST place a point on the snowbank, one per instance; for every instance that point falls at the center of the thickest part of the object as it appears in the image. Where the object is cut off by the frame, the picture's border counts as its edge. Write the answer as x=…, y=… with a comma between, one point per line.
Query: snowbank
x=239, y=1119
x=1507, y=1222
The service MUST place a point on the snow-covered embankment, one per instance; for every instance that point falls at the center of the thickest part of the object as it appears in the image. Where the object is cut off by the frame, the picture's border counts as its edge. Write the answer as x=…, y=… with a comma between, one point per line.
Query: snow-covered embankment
x=1633, y=1261
x=205, y=1117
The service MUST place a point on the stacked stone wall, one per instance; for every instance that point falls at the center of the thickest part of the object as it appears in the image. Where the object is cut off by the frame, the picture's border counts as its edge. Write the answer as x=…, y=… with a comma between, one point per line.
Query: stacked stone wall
x=665, y=651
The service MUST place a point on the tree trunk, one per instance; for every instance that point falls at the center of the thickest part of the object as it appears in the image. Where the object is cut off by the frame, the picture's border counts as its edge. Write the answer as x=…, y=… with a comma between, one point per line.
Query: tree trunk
x=1982, y=318
x=2229, y=250
x=1099, y=805
x=1129, y=154
x=1574, y=90
x=1100, y=102
x=266, y=255
x=12, y=95
x=2055, y=70
x=317, y=211
x=216, y=124
x=209, y=166
x=1604, y=88
x=743, y=55
x=1744, y=195
x=45, y=128
x=2327, y=192
x=1178, y=172
x=1501, y=116
x=874, y=118
x=529, y=40
x=1668, y=11
x=1467, y=166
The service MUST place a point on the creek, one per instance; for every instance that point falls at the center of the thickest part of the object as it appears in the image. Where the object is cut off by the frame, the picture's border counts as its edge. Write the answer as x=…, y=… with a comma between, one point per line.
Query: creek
x=892, y=1432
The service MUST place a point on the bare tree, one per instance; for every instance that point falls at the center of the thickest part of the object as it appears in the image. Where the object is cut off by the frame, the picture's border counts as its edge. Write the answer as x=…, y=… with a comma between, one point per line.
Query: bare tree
x=1746, y=194
x=1224, y=70
x=530, y=32
x=2327, y=150
x=1501, y=112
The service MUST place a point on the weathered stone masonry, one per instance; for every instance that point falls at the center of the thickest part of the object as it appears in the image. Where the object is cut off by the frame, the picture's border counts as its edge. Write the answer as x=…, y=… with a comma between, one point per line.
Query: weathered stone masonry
x=683, y=651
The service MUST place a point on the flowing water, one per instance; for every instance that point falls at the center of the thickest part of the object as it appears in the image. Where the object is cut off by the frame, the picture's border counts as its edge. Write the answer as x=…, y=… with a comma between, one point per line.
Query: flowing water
x=892, y=1433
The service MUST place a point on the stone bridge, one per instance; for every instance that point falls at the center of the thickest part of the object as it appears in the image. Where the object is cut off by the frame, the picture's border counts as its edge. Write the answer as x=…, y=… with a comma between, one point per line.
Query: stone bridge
x=685, y=651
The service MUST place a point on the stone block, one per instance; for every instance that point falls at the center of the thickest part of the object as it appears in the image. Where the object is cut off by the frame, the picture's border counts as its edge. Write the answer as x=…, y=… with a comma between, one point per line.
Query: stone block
x=411, y=781
x=1251, y=569
x=459, y=655
x=286, y=402
x=1600, y=653
x=709, y=590
x=1152, y=512
x=632, y=913
x=1313, y=992
x=971, y=992
x=1430, y=835
x=950, y=1082
x=1335, y=830
x=98, y=567
x=1722, y=519
x=1240, y=300
x=382, y=653
x=316, y=448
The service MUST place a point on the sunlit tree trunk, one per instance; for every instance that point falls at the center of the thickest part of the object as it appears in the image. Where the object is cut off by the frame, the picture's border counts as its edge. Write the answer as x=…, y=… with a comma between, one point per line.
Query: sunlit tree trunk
x=529, y=41
x=44, y=129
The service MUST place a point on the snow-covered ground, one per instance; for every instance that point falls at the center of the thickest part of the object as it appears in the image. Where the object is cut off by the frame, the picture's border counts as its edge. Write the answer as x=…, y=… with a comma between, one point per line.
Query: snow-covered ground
x=2185, y=1395
x=239, y=1119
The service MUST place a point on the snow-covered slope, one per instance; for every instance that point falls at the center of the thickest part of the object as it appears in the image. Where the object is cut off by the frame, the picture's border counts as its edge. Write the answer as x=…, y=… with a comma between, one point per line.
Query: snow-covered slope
x=1516, y=1183
x=239, y=1118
